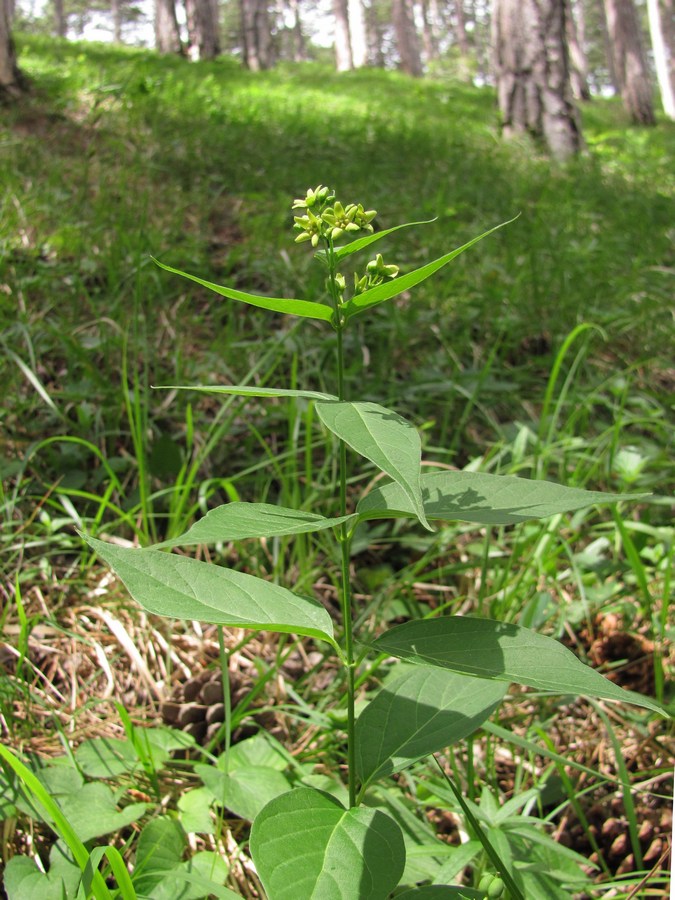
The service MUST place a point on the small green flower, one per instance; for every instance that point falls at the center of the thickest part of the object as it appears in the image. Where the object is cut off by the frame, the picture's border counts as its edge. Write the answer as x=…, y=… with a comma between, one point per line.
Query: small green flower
x=315, y=196
x=310, y=228
x=377, y=269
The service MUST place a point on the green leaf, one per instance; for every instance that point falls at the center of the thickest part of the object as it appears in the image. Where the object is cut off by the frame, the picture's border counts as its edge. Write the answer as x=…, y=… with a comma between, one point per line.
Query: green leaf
x=182, y=588
x=441, y=892
x=106, y=757
x=383, y=437
x=238, y=520
x=245, y=790
x=22, y=880
x=245, y=391
x=194, y=808
x=481, y=497
x=404, y=282
x=362, y=242
x=420, y=712
x=159, y=850
x=306, y=309
x=306, y=844
x=501, y=651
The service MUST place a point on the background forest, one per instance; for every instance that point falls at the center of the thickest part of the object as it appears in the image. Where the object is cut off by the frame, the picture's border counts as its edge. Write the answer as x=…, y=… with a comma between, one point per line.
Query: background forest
x=545, y=351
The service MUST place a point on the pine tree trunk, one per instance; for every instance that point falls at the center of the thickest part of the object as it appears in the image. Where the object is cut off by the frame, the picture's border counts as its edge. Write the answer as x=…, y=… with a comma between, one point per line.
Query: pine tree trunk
x=532, y=71
x=167, y=32
x=11, y=81
x=344, y=61
x=59, y=19
x=662, y=29
x=460, y=28
x=256, y=34
x=406, y=37
x=630, y=63
x=116, y=8
x=575, y=41
x=358, y=37
x=203, y=29
x=374, y=36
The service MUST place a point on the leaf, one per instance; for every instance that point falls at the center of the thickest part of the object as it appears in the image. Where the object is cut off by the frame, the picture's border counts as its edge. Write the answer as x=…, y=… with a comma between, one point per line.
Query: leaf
x=481, y=497
x=238, y=520
x=306, y=309
x=22, y=880
x=497, y=650
x=403, y=283
x=159, y=850
x=182, y=588
x=194, y=808
x=306, y=844
x=384, y=438
x=441, y=892
x=245, y=391
x=245, y=790
x=362, y=242
x=106, y=757
x=420, y=712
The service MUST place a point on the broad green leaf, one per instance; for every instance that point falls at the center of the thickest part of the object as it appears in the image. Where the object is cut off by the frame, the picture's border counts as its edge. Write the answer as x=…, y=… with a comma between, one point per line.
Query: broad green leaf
x=245, y=391
x=497, y=650
x=91, y=809
x=362, y=242
x=159, y=850
x=441, y=892
x=106, y=757
x=194, y=808
x=306, y=309
x=245, y=790
x=421, y=712
x=238, y=520
x=182, y=588
x=481, y=497
x=404, y=282
x=383, y=437
x=258, y=750
x=306, y=844
x=22, y=880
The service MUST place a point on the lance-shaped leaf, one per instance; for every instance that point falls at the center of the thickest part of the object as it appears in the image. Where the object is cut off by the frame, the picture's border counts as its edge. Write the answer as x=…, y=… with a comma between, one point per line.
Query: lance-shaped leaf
x=481, y=497
x=306, y=844
x=421, y=712
x=245, y=391
x=306, y=309
x=403, y=283
x=441, y=892
x=383, y=437
x=238, y=520
x=362, y=242
x=182, y=588
x=497, y=650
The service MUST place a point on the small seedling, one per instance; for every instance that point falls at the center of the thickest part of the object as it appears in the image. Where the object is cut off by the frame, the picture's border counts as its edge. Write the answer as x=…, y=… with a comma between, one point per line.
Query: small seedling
x=454, y=670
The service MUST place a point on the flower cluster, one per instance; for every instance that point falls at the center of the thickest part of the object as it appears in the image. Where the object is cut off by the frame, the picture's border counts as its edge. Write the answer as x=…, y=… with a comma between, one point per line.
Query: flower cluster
x=376, y=273
x=325, y=217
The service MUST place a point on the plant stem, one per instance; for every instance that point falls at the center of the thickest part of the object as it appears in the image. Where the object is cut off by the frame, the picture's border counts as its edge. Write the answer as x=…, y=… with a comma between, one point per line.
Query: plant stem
x=344, y=538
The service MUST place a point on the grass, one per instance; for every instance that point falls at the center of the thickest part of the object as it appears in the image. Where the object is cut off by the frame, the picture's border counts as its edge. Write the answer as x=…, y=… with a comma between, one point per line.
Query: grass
x=546, y=351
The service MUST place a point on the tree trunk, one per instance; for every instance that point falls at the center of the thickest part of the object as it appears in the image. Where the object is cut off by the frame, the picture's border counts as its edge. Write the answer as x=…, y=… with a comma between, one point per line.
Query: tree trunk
x=256, y=34
x=298, y=38
x=167, y=32
x=406, y=37
x=357, y=33
x=532, y=71
x=429, y=35
x=59, y=19
x=374, y=36
x=203, y=29
x=116, y=8
x=630, y=63
x=344, y=61
x=662, y=29
x=575, y=41
x=460, y=28
x=11, y=81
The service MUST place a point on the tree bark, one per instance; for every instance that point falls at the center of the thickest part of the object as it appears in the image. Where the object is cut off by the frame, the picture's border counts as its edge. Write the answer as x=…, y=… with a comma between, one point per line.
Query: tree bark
x=460, y=28
x=662, y=29
x=256, y=34
x=59, y=19
x=406, y=37
x=167, y=32
x=344, y=61
x=357, y=33
x=374, y=36
x=116, y=8
x=575, y=24
x=532, y=71
x=203, y=29
x=11, y=81
x=630, y=63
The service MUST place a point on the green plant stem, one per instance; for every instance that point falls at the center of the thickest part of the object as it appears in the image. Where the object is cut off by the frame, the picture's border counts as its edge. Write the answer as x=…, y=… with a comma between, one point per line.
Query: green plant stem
x=344, y=537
